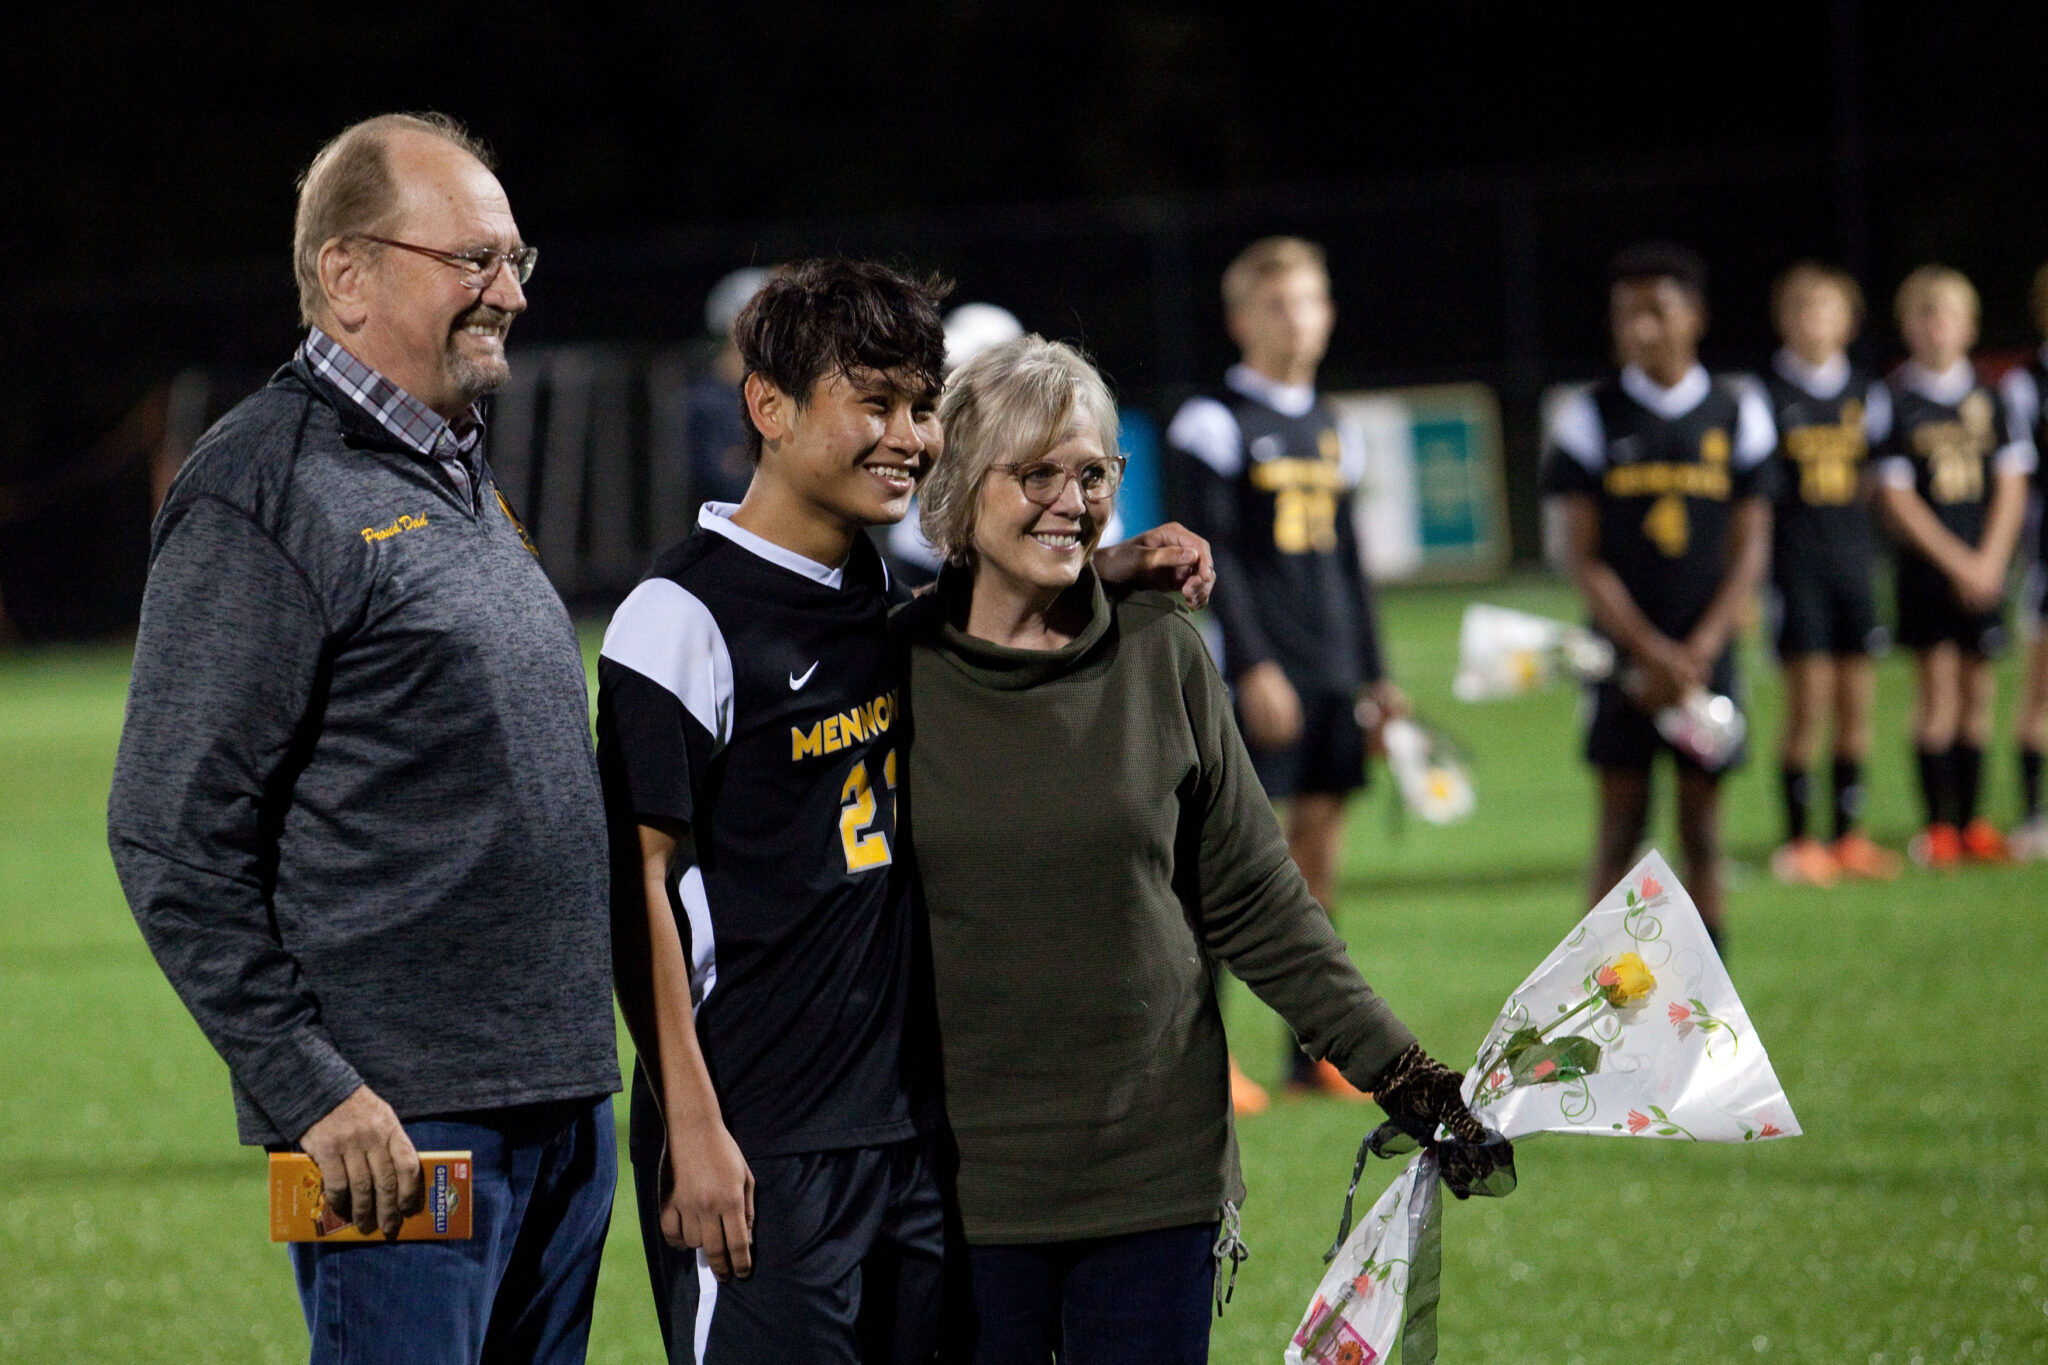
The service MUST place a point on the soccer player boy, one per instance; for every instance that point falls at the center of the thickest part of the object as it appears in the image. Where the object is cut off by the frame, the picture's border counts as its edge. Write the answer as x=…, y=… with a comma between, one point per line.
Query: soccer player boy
x=1661, y=476
x=2024, y=388
x=1827, y=412
x=1273, y=487
x=1952, y=480
x=765, y=934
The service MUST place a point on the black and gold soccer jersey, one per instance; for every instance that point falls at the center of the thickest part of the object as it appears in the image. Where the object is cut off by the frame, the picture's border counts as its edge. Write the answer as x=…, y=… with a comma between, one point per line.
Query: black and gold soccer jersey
x=748, y=693
x=1665, y=468
x=2023, y=389
x=1273, y=494
x=1828, y=419
x=1951, y=438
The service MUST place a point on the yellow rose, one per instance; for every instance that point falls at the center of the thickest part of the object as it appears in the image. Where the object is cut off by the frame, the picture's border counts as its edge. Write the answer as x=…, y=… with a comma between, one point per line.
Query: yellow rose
x=1625, y=980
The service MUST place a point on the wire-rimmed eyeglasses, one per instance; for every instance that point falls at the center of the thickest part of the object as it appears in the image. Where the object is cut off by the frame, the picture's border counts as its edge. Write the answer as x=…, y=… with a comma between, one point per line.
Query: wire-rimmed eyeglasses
x=1044, y=480
x=478, y=268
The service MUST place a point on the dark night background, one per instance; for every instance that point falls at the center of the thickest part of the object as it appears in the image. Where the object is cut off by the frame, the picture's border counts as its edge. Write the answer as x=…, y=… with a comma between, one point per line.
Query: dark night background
x=1089, y=166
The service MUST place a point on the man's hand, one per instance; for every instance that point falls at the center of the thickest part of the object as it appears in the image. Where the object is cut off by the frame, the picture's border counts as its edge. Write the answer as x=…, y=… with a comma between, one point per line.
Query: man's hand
x=1168, y=558
x=710, y=1200
x=1271, y=708
x=368, y=1166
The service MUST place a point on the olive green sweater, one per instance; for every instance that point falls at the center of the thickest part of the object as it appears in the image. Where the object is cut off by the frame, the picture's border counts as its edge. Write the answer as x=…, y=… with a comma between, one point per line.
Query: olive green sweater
x=1091, y=838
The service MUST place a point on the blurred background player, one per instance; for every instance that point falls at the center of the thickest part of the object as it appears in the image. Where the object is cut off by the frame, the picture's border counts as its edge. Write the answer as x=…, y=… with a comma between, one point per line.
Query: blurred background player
x=1662, y=477
x=1272, y=486
x=1952, y=478
x=716, y=430
x=1827, y=411
x=2023, y=389
x=970, y=329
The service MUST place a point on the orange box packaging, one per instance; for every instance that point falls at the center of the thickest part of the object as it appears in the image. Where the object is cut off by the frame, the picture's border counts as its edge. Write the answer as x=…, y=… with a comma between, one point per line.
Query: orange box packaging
x=299, y=1212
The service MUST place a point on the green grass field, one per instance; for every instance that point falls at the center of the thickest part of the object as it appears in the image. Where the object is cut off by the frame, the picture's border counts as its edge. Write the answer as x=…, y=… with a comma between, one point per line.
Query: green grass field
x=1910, y=1224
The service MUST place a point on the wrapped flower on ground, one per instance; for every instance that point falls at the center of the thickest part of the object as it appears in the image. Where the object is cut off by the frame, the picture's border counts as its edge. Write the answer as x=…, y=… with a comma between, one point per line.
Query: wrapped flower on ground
x=1625, y=980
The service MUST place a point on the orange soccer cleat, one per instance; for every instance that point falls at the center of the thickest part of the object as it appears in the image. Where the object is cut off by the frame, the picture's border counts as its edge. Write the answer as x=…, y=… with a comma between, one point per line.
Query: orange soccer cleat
x=1247, y=1096
x=1860, y=857
x=1804, y=862
x=1937, y=846
x=1982, y=843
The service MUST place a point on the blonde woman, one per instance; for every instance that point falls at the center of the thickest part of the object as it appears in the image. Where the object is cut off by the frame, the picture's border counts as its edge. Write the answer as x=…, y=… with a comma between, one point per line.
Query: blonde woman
x=1092, y=837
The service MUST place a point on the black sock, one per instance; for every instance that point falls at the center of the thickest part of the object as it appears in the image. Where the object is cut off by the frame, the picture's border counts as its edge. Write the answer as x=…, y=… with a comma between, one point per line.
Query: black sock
x=1937, y=784
x=1848, y=788
x=1969, y=768
x=2030, y=780
x=1798, y=792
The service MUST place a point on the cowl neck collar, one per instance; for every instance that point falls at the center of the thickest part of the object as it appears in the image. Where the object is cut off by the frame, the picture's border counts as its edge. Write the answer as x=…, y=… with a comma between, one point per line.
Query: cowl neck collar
x=1003, y=666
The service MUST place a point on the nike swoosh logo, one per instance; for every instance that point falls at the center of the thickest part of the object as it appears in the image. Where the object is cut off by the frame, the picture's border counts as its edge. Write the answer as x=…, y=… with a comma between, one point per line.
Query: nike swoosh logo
x=796, y=683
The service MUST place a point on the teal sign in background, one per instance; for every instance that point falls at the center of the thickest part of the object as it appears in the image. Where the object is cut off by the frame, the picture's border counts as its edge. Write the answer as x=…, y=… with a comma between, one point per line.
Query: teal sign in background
x=1448, y=513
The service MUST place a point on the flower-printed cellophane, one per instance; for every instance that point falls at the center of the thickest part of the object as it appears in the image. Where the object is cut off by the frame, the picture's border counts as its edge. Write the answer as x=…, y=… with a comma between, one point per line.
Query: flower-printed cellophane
x=1677, y=1057
x=1388, y=1267
x=1680, y=1061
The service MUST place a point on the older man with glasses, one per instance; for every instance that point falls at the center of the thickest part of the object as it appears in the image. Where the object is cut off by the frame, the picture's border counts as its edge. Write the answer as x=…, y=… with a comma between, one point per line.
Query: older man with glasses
x=356, y=810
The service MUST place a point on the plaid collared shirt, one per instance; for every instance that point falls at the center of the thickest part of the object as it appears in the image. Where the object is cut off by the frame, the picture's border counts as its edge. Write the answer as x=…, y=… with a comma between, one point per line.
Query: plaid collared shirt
x=398, y=412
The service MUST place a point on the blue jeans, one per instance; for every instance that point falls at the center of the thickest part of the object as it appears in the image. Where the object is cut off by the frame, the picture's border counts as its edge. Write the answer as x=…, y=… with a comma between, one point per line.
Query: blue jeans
x=519, y=1289
x=1144, y=1296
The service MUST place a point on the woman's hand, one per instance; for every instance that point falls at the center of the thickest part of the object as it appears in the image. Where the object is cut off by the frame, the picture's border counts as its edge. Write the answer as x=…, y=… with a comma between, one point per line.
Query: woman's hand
x=1168, y=558
x=710, y=1200
x=1420, y=1094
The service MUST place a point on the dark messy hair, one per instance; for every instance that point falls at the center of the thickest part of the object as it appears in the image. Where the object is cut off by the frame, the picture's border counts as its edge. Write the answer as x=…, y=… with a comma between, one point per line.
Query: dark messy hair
x=832, y=316
x=1661, y=261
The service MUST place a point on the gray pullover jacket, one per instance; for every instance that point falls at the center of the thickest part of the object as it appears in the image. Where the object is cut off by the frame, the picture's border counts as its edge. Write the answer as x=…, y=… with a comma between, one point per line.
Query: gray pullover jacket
x=355, y=810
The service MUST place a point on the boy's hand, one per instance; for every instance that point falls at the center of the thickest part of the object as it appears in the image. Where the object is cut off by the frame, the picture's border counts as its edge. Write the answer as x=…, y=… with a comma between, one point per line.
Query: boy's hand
x=1270, y=705
x=1669, y=672
x=1379, y=703
x=1168, y=558
x=1979, y=584
x=710, y=1201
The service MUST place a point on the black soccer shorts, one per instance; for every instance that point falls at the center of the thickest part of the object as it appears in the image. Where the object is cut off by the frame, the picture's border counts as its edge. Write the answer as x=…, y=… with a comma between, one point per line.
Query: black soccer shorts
x=849, y=1259
x=1823, y=609
x=1930, y=615
x=1328, y=758
x=1621, y=734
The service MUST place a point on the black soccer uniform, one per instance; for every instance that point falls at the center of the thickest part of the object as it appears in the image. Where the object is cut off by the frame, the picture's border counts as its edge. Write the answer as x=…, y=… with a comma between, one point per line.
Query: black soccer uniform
x=748, y=693
x=2023, y=389
x=1273, y=494
x=1951, y=438
x=1664, y=468
x=1823, y=540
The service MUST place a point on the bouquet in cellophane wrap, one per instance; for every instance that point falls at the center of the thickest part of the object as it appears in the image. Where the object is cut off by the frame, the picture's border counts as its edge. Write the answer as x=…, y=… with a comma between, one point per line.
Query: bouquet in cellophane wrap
x=1630, y=1028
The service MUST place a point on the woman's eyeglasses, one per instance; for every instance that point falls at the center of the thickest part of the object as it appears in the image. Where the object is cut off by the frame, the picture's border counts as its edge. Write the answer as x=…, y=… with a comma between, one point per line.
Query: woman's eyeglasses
x=1044, y=480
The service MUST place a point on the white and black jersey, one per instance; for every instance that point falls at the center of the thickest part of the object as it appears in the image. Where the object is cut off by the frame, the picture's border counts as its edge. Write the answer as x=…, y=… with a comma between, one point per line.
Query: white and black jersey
x=1951, y=437
x=1665, y=468
x=1273, y=484
x=747, y=693
x=2024, y=388
x=1829, y=417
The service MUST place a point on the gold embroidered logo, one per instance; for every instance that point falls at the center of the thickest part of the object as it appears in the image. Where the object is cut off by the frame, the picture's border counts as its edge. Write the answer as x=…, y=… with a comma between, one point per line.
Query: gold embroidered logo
x=373, y=534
